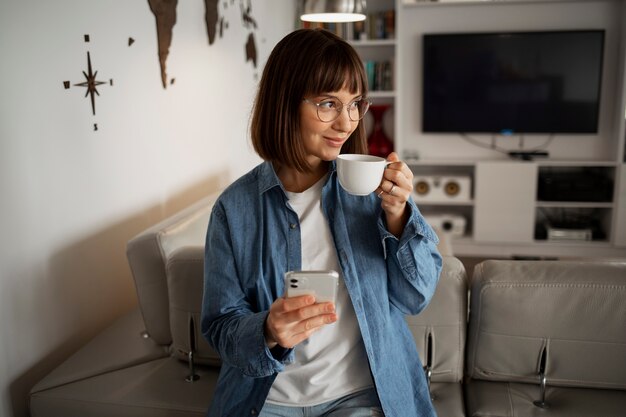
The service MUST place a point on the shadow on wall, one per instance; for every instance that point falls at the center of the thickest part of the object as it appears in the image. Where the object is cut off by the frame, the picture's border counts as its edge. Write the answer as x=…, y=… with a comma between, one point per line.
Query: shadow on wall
x=87, y=285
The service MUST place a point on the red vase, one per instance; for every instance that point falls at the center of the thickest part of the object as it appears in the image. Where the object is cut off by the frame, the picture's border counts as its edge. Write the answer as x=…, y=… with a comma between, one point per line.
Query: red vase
x=378, y=143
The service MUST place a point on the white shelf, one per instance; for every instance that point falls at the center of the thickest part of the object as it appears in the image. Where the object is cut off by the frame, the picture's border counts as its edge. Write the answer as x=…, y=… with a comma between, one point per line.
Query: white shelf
x=381, y=94
x=424, y=3
x=573, y=204
x=373, y=43
x=468, y=247
x=439, y=162
x=423, y=203
x=575, y=163
x=541, y=163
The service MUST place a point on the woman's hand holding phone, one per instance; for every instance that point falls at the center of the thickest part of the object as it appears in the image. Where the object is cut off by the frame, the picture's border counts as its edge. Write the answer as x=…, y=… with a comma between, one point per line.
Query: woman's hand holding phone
x=292, y=320
x=309, y=305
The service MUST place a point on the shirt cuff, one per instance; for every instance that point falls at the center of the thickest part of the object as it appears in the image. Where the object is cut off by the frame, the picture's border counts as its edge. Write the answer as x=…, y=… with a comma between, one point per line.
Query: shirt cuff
x=264, y=361
x=416, y=225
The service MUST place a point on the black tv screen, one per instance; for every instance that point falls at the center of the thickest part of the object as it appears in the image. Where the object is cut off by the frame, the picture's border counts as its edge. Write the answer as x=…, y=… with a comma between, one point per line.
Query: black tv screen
x=514, y=82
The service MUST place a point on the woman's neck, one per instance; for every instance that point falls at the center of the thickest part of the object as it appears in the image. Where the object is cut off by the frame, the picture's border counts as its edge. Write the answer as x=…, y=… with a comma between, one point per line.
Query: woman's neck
x=296, y=181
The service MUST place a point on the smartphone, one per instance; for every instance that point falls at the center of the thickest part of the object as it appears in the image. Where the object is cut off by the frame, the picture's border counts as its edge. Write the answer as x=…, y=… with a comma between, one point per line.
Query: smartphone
x=322, y=285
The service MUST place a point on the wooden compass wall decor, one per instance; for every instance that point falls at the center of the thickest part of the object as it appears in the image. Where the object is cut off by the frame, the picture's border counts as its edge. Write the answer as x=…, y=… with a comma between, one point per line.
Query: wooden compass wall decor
x=90, y=83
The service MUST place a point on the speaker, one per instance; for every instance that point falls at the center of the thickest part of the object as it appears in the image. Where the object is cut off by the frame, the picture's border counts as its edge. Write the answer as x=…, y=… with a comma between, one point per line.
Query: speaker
x=442, y=189
x=452, y=224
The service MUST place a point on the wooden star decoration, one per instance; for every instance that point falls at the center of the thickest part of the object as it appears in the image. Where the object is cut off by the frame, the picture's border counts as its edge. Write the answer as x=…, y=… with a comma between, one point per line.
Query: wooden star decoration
x=91, y=83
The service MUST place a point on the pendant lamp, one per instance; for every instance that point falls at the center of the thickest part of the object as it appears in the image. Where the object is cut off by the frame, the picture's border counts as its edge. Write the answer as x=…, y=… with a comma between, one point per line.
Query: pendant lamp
x=333, y=11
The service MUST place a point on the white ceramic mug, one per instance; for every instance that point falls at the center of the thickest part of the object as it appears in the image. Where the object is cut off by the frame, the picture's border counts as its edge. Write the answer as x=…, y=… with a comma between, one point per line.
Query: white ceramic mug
x=360, y=174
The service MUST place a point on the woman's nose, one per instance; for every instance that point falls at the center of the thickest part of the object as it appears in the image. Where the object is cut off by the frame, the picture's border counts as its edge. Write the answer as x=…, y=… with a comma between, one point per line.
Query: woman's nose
x=343, y=122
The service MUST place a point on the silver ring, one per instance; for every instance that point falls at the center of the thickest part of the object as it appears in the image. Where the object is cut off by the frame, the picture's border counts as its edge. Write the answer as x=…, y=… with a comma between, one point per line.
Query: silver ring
x=390, y=192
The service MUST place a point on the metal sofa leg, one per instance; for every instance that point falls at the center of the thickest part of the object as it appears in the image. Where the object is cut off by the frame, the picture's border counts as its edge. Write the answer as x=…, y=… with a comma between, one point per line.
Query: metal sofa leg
x=541, y=403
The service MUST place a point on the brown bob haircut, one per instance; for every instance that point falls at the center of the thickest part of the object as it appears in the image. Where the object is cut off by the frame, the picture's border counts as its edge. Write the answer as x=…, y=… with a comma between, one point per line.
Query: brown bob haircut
x=306, y=62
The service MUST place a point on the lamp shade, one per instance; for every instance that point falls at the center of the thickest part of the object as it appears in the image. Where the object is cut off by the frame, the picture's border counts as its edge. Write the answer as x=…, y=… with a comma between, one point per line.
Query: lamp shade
x=333, y=11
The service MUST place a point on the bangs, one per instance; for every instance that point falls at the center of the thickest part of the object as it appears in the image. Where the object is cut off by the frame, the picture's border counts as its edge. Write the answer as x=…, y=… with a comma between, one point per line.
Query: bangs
x=342, y=68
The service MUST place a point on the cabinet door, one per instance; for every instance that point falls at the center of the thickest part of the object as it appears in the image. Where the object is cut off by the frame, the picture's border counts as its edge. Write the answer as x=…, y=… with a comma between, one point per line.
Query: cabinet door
x=504, y=209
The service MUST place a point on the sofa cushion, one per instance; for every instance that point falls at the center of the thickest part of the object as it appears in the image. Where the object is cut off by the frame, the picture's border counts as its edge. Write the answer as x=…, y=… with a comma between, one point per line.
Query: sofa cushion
x=508, y=399
x=448, y=399
x=120, y=345
x=156, y=389
x=571, y=312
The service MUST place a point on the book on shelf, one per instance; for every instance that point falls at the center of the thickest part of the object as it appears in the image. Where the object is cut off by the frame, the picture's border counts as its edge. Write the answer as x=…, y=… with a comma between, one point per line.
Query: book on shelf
x=379, y=75
x=377, y=25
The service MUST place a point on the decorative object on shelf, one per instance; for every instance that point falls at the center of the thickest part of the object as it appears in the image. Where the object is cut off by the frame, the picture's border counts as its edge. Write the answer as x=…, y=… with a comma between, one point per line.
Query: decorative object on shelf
x=443, y=189
x=388, y=123
x=379, y=143
x=333, y=11
x=447, y=223
x=378, y=25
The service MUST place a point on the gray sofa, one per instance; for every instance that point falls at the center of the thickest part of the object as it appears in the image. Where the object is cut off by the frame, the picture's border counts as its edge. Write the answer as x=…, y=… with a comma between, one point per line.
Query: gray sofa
x=557, y=322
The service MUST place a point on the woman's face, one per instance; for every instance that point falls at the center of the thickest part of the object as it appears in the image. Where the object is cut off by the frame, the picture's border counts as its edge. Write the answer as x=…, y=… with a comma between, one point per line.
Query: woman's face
x=323, y=140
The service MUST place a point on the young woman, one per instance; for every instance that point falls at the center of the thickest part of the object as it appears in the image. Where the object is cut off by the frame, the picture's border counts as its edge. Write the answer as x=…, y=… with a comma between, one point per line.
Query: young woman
x=292, y=356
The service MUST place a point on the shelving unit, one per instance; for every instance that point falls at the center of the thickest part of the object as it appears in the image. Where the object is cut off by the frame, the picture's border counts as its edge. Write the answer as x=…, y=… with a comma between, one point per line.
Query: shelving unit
x=503, y=209
x=505, y=212
x=378, y=50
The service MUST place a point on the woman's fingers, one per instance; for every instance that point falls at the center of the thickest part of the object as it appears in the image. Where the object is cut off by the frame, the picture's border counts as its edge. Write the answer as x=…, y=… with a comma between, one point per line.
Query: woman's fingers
x=292, y=320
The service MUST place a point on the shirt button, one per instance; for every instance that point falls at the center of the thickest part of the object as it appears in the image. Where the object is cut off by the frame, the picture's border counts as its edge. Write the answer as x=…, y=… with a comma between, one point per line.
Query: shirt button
x=253, y=412
x=293, y=225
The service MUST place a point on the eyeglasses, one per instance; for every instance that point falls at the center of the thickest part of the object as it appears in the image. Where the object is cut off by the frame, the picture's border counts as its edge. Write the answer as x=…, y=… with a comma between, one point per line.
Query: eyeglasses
x=329, y=110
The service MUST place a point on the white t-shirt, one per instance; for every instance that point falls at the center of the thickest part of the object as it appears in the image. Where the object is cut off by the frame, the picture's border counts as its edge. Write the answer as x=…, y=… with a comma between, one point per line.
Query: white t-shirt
x=332, y=363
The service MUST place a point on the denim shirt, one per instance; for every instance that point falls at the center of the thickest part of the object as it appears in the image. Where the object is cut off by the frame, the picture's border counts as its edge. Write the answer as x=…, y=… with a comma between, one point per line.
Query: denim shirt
x=253, y=238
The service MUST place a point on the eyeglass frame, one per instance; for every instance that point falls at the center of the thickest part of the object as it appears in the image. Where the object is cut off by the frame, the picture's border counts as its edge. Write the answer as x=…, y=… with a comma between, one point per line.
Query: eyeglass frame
x=340, y=109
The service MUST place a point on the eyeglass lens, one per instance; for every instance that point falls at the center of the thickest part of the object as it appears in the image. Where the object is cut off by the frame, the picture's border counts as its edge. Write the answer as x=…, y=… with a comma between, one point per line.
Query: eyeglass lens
x=329, y=110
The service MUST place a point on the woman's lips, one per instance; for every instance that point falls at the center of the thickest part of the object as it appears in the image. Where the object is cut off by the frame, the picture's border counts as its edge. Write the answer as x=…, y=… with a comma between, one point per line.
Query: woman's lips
x=337, y=142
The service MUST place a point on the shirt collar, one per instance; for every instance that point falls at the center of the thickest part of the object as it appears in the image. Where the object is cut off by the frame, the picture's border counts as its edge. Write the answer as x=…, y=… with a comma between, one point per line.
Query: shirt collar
x=268, y=178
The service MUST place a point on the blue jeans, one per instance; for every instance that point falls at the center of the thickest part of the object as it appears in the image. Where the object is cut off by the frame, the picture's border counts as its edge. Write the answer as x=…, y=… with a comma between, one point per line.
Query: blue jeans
x=360, y=404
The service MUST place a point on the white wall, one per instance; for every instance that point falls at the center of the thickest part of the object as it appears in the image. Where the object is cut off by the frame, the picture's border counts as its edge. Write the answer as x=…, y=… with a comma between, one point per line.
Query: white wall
x=510, y=16
x=71, y=197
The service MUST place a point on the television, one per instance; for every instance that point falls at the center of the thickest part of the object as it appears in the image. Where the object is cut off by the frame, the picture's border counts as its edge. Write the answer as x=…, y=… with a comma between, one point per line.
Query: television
x=544, y=82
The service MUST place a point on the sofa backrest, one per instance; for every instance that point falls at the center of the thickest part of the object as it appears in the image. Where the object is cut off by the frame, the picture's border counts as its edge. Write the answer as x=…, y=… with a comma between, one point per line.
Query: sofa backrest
x=148, y=253
x=573, y=313
x=167, y=263
x=439, y=330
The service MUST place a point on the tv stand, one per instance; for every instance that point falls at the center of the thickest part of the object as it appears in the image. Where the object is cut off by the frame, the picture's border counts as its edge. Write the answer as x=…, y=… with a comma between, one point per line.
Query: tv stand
x=528, y=155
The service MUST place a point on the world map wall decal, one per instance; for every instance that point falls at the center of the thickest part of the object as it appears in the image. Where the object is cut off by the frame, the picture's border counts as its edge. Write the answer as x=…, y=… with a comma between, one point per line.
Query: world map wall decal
x=165, y=14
